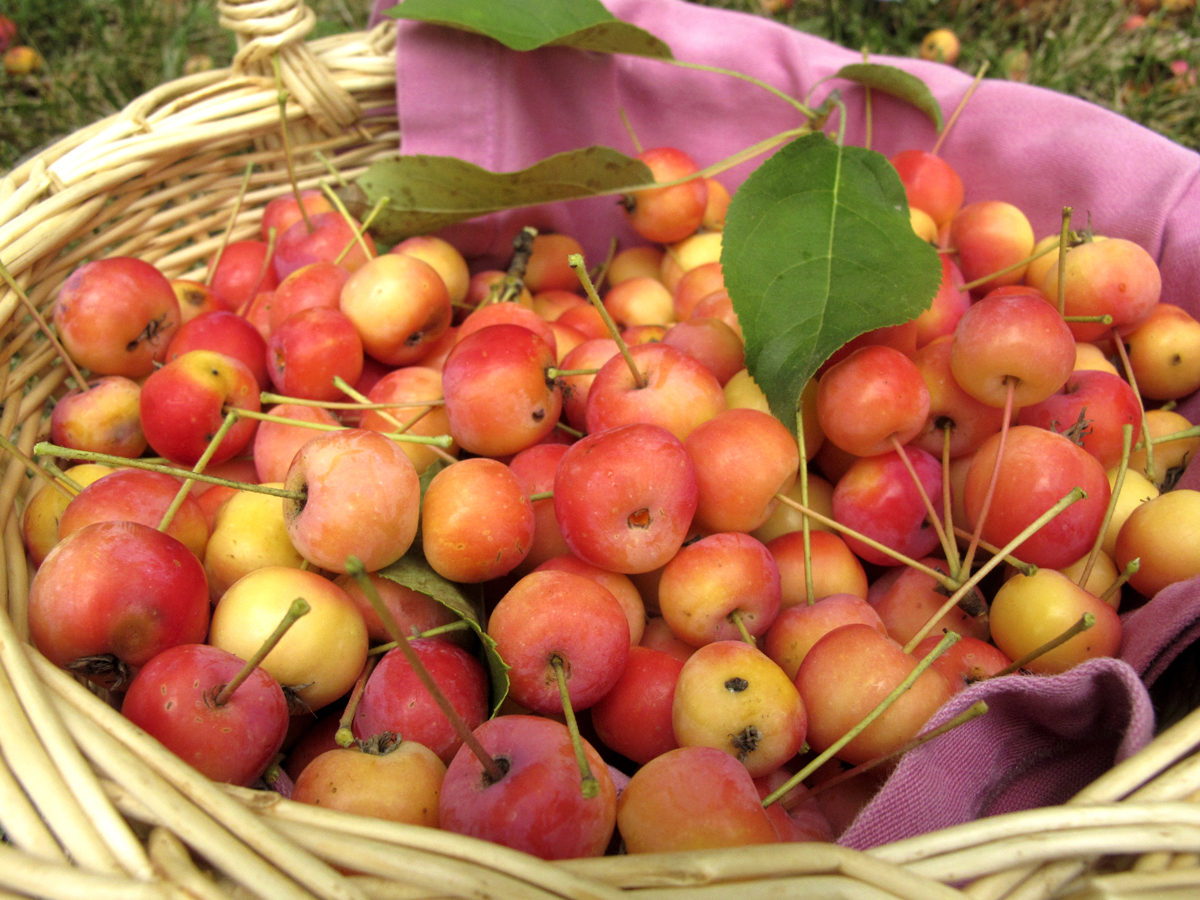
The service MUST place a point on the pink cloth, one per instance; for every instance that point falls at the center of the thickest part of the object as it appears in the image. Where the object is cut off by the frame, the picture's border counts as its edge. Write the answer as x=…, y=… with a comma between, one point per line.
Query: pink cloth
x=466, y=96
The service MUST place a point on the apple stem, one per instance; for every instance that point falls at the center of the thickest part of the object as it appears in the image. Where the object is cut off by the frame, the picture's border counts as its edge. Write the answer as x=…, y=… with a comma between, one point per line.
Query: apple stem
x=1105, y=319
x=575, y=261
x=948, y=504
x=33, y=467
x=553, y=372
x=735, y=617
x=437, y=440
x=984, y=279
x=457, y=625
x=1086, y=621
x=1114, y=496
x=1128, y=572
x=1072, y=496
x=1063, y=239
x=958, y=109
x=354, y=226
x=45, y=448
x=1192, y=432
x=974, y=711
x=540, y=495
x=355, y=567
x=601, y=271
x=281, y=98
x=344, y=736
x=770, y=89
x=567, y=429
x=637, y=145
x=59, y=475
x=330, y=168
x=297, y=610
x=940, y=577
x=943, y=645
x=969, y=558
x=1023, y=567
x=435, y=444
x=201, y=464
x=805, y=525
x=507, y=289
x=360, y=230
x=587, y=781
x=233, y=216
x=931, y=513
x=45, y=327
x=1147, y=440
x=267, y=397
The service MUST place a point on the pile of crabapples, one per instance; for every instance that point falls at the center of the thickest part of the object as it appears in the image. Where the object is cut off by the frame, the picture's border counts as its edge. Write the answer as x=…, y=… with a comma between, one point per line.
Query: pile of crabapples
x=665, y=567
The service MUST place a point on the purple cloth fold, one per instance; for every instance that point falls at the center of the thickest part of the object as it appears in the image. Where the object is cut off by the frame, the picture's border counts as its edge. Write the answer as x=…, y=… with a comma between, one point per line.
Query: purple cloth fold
x=466, y=96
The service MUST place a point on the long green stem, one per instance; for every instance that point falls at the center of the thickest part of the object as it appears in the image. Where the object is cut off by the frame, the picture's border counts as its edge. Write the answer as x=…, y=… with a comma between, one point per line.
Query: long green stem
x=800, y=107
x=943, y=645
x=299, y=608
x=494, y=773
x=80, y=381
x=45, y=448
x=1086, y=621
x=974, y=711
x=1114, y=497
x=1072, y=496
x=940, y=577
x=201, y=464
x=575, y=261
x=33, y=467
x=588, y=785
x=267, y=398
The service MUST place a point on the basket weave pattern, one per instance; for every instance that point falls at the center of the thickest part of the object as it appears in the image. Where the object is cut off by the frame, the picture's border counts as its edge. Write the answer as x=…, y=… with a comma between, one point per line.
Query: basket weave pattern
x=92, y=807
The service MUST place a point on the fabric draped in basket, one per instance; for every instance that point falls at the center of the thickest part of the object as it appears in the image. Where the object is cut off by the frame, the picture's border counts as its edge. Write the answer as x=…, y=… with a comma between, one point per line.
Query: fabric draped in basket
x=466, y=96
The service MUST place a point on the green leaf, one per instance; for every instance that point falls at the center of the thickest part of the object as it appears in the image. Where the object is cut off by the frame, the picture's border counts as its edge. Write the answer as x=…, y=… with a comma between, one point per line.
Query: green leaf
x=896, y=82
x=413, y=572
x=427, y=193
x=529, y=24
x=818, y=249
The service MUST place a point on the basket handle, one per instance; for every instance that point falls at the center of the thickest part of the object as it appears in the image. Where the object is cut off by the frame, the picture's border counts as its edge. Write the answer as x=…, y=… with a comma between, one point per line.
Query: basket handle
x=267, y=28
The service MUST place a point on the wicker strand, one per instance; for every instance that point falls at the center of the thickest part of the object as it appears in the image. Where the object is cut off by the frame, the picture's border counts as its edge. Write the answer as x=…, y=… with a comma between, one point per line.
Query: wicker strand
x=172, y=860
x=21, y=822
x=168, y=807
x=300, y=866
x=551, y=878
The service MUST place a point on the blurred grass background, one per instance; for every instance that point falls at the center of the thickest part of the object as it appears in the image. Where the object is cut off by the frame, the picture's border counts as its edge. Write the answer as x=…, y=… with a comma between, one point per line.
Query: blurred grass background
x=101, y=54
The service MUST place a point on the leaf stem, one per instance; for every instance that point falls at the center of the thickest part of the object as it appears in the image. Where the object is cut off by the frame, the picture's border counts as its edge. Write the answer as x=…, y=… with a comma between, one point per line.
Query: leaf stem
x=800, y=107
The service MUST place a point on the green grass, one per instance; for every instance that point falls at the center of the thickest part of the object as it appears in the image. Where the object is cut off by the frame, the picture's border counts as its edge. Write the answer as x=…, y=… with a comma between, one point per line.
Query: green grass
x=101, y=54
x=1073, y=46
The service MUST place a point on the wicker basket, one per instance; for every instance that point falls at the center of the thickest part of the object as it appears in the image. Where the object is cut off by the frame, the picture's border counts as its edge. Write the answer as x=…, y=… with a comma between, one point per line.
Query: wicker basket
x=94, y=808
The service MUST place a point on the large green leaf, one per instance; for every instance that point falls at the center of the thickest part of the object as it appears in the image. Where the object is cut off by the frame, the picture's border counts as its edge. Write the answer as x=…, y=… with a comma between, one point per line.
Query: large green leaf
x=817, y=250
x=413, y=572
x=529, y=24
x=896, y=82
x=427, y=193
